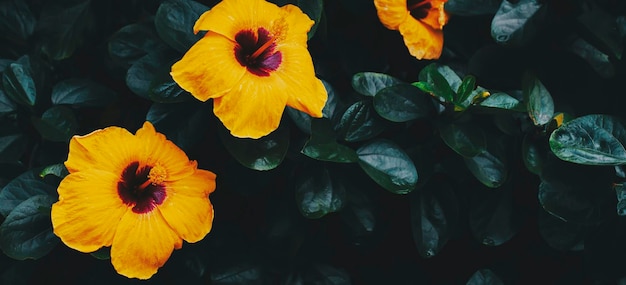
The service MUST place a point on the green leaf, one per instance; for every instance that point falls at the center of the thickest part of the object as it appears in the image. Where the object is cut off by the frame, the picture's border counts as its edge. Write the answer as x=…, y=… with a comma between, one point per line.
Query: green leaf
x=434, y=213
x=174, y=23
x=490, y=168
x=465, y=139
x=16, y=19
x=314, y=9
x=27, y=185
x=538, y=100
x=303, y=120
x=56, y=124
x=359, y=214
x=134, y=41
x=63, y=27
x=517, y=22
x=11, y=148
x=26, y=233
x=402, y=103
x=369, y=83
x=600, y=26
x=165, y=90
x=261, y=154
x=591, y=140
x=167, y=119
x=491, y=216
x=57, y=170
x=145, y=73
x=6, y=105
x=504, y=101
x=565, y=202
x=620, y=191
x=323, y=145
x=439, y=85
x=318, y=193
x=82, y=93
x=533, y=154
x=360, y=122
x=465, y=89
x=18, y=82
x=388, y=165
x=559, y=234
x=484, y=277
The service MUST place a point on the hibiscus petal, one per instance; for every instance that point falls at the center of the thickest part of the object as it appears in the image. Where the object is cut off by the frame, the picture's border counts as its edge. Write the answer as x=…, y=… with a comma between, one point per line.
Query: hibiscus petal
x=254, y=107
x=158, y=150
x=231, y=16
x=299, y=25
x=88, y=210
x=142, y=244
x=391, y=13
x=187, y=208
x=422, y=41
x=436, y=17
x=86, y=152
x=209, y=69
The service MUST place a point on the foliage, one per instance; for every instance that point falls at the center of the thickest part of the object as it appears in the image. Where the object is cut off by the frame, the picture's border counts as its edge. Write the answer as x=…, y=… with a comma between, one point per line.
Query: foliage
x=504, y=157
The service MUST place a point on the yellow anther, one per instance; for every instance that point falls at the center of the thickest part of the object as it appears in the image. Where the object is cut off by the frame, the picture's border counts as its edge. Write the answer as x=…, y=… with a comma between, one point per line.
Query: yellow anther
x=157, y=175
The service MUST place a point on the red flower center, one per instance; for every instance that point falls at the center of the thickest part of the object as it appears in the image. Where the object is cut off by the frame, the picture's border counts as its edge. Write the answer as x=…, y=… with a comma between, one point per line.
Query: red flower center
x=136, y=189
x=256, y=52
x=418, y=8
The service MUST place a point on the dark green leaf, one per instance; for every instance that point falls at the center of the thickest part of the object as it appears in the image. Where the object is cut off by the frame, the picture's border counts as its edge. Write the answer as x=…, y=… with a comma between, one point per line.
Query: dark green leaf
x=591, y=140
x=533, y=154
x=492, y=220
x=620, y=191
x=598, y=60
x=242, y=273
x=465, y=89
x=323, y=145
x=402, y=103
x=388, y=165
x=440, y=83
x=434, y=212
x=166, y=90
x=27, y=231
x=489, y=167
x=318, y=193
x=369, y=83
x=360, y=122
x=559, y=234
x=16, y=19
x=64, y=27
x=484, y=277
x=134, y=41
x=6, y=105
x=314, y=9
x=601, y=26
x=82, y=93
x=18, y=82
x=538, y=100
x=359, y=214
x=465, y=139
x=504, y=101
x=472, y=7
x=265, y=153
x=57, y=170
x=174, y=21
x=145, y=73
x=11, y=148
x=56, y=124
x=26, y=185
x=303, y=120
x=167, y=119
x=517, y=22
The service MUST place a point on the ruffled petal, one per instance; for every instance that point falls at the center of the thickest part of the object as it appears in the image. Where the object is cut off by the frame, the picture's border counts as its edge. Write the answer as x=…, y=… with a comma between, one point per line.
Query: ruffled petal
x=437, y=16
x=306, y=92
x=298, y=23
x=422, y=41
x=142, y=244
x=231, y=16
x=157, y=149
x=187, y=207
x=254, y=107
x=109, y=149
x=88, y=210
x=209, y=69
x=391, y=13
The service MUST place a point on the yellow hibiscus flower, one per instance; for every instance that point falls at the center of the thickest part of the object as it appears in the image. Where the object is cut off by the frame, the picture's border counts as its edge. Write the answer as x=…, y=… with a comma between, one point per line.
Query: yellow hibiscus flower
x=252, y=62
x=138, y=194
x=420, y=23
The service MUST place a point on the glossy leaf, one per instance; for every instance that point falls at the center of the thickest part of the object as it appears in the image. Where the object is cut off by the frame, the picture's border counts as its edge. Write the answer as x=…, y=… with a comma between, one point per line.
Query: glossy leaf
x=174, y=22
x=489, y=166
x=359, y=215
x=601, y=25
x=57, y=170
x=484, y=277
x=27, y=185
x=466, y=140
x=388, y=165
x=56, y=124
x=440, y=84
x=369, y=83
x=16, y=19
x=134, y=41
x=538, y=100
x=6, y=104
x=590, y=140
x=64, y=26
x=516, y=23
x=12, y=147
x=144, y=73
x=26, y=233
x=265, y=153
x=18, y=82
x=567, y=202
x=318, y=193
x=466, y=89
x=402, y=103
x=504, y=101
x=82, y=93
x=167, y=119
x=492, y=220
x=323, y=145
x=559, y=234
x=360, y=122
x=533, y=154
x=303, y=120
x=165, y=90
